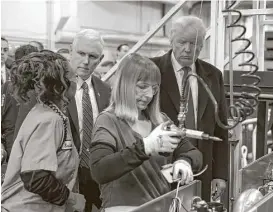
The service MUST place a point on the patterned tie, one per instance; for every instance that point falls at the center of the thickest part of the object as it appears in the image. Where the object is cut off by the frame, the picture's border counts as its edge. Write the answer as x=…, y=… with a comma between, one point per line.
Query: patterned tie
x=87, y=126
x=190, y=118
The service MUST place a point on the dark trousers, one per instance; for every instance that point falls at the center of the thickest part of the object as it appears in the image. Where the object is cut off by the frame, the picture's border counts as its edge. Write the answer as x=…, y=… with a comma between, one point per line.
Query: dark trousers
x=89, y=188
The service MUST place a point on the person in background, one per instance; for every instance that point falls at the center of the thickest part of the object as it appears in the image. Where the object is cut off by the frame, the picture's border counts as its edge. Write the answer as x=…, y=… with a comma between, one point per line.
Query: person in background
x=4, y=56
x=37, y=44
x=9, y=108
x=187, y=38
x=92, y=97
x=128, y=136
x=122, y=50
x=65, y=53
x=43, y=163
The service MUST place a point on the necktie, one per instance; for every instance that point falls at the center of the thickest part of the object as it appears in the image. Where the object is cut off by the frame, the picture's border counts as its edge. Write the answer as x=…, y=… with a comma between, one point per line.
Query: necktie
x=87, y=126
x=190, y=118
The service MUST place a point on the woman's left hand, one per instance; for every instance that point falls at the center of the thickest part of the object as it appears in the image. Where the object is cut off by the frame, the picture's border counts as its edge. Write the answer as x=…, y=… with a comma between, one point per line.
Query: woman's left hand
x=182, y=170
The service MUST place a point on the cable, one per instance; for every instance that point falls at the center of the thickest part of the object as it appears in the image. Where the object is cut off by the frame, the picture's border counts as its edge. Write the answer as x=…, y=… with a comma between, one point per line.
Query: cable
x=245, y=105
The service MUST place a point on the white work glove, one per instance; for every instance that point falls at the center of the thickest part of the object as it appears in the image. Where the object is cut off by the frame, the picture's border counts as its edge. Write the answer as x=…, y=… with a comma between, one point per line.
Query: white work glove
x=182, y=170
x=76, y=201
x=161, y=140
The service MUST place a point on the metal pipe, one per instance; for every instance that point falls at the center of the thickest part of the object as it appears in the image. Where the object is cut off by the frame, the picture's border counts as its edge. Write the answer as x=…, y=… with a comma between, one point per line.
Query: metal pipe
x=146, y=37
x=230, y=58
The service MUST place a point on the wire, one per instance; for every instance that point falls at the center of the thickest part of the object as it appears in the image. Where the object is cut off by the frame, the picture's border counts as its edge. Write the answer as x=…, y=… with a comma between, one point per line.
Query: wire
x=177, y=202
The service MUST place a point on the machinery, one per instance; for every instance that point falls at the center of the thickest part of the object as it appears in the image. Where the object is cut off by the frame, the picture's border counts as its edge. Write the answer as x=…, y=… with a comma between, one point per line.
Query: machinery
x=258, y=196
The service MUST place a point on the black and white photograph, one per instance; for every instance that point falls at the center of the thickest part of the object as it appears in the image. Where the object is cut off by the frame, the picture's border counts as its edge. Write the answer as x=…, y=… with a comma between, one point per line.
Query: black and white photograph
x=136, y=106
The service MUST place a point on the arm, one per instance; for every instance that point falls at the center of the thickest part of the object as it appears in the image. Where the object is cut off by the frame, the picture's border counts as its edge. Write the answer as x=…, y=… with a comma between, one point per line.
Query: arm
x=105, y=158
x=220, y=149
x=186, y=151
x=45, y=184
x=39, y=162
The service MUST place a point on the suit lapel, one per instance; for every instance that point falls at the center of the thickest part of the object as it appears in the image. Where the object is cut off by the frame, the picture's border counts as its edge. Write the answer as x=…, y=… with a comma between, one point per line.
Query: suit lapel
x=98, y=94
x=73, y=112
x=169, y=82
x=202, y=94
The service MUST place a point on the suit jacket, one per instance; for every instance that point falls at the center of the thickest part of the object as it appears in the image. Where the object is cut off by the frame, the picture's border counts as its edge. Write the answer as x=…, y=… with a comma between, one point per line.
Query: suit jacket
x=215, y=154
x=102, y=93
x=9, y=111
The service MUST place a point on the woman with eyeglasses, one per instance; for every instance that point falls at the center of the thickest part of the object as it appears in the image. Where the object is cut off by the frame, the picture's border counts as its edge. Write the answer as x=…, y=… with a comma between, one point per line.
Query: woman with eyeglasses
x=129, y=138
x=43, y=163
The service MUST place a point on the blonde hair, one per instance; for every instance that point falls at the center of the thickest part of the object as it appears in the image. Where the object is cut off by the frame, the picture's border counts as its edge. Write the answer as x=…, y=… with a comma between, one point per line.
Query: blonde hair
x=134, y=68
x=188, y=25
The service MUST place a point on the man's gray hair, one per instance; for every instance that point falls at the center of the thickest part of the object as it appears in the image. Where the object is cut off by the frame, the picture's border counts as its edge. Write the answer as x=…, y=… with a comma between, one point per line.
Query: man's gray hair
x=91, y=34
x=188, y=24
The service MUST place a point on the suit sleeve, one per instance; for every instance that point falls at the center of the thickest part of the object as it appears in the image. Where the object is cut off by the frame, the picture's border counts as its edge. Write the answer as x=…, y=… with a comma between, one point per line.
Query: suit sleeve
x=220, y=149
x=9, y=116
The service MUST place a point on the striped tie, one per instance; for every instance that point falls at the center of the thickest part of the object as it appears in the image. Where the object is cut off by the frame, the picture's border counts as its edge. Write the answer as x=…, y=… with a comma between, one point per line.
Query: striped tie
x=87, y=126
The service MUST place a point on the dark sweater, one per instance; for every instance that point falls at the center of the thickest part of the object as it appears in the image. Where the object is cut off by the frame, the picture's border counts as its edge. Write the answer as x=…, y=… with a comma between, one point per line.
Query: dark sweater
x=127, y=176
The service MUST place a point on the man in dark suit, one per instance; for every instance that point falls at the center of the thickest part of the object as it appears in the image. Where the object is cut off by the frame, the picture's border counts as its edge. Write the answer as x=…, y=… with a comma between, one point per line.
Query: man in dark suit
x=92, y=96
x=187, y=37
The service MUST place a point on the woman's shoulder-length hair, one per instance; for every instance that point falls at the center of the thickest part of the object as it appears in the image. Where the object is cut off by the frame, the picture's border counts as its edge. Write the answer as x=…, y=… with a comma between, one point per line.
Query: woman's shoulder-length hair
x=134, y=68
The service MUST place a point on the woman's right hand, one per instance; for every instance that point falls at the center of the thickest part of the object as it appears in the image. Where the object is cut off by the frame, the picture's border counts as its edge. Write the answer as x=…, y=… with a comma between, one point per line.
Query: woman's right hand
x=77, y=201
x=161, y=140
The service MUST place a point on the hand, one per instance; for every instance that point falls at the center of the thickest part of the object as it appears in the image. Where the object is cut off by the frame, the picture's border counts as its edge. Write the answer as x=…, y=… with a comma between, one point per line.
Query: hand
x=161, y=140
x=3, y=154
x=182, y=170
x=221, y=187
x=77, y=201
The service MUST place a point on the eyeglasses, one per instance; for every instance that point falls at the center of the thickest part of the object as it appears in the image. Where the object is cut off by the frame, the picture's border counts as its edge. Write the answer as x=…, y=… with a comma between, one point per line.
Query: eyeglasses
x=144, y=88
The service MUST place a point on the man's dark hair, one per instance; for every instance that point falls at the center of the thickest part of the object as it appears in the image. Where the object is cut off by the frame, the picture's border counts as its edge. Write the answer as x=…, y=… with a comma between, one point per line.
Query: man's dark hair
x=39, y=43
x=24, y=50
x=121, y=45
x=63, y=50
x=4, y=39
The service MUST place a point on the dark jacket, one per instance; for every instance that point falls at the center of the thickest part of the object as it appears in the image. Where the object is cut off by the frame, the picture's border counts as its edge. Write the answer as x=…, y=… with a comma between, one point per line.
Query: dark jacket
x=215, y=154
x=9, y=111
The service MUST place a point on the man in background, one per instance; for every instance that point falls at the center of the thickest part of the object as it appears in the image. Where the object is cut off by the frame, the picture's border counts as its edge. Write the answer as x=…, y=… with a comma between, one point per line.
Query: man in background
x=37, y=44
x=65, y=53
x=92, y=97
x=187, y=38
x=4, y=57
x=122, y=50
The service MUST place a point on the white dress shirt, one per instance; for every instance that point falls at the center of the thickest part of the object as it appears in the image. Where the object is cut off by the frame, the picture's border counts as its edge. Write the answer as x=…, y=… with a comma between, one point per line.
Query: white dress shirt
x=78, y=98
x=192, y=80
x=3, y=73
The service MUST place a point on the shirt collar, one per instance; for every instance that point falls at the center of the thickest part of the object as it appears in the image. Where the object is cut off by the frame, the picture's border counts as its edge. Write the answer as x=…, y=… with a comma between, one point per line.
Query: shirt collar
x=3, y=68
x=177, y=67
x=80, y=82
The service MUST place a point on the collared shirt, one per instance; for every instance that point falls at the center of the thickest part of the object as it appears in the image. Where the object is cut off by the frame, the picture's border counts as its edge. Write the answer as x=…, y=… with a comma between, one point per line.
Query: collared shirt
x=78, y=98
x=3, y=74
x=192, y=80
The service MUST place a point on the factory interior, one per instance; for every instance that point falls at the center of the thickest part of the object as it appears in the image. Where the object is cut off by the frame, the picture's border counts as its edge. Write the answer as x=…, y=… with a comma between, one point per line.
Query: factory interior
x=238, y=41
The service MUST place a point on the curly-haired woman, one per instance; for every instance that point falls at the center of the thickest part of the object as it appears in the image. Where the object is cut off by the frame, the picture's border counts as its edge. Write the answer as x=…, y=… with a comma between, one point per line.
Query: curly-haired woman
x=43, y=161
